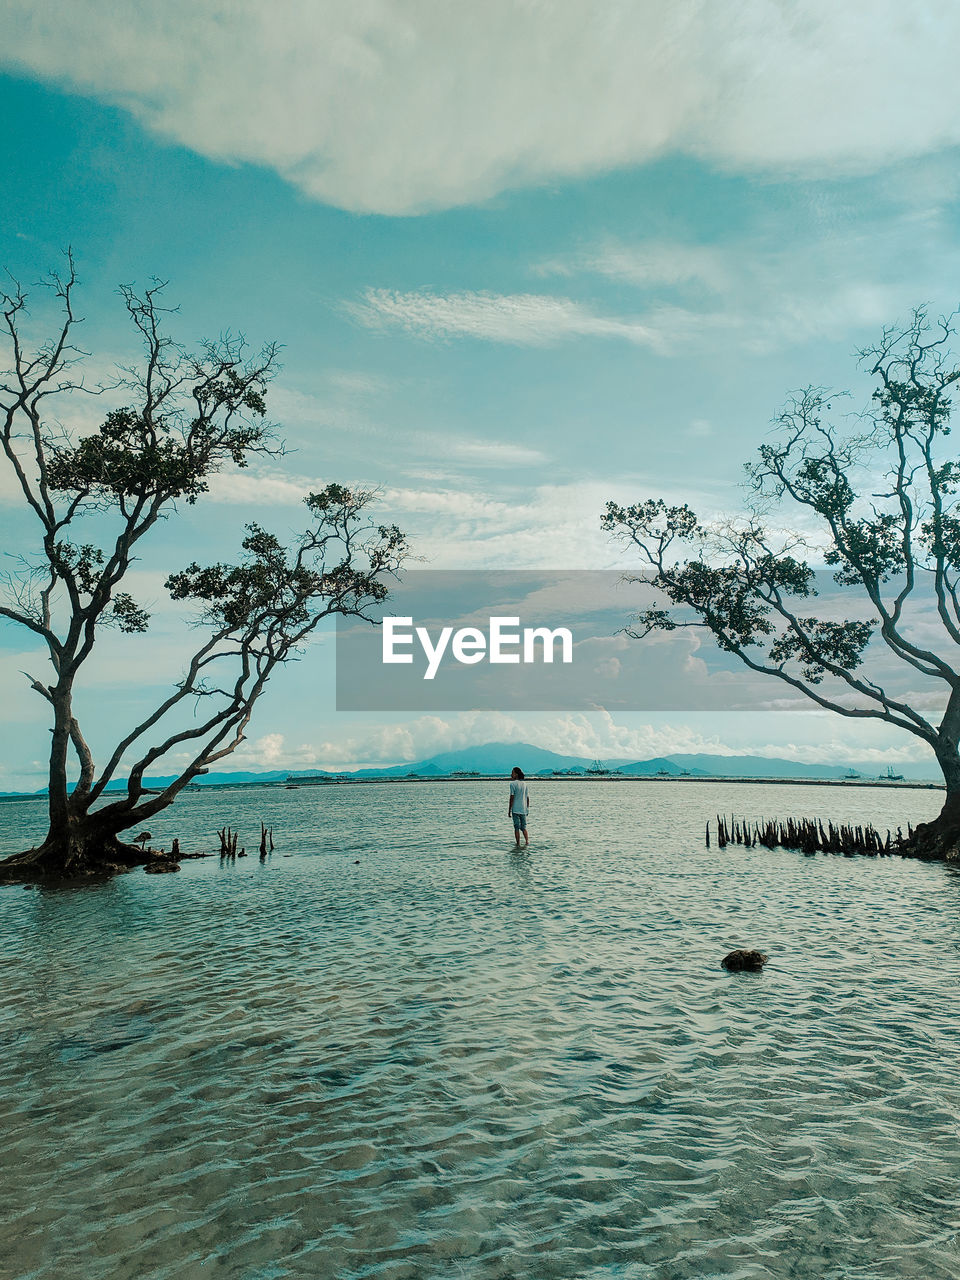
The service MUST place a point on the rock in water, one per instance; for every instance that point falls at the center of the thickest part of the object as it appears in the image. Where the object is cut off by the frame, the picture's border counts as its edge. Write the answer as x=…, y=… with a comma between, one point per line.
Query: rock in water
x=160, y=868
x=744, y=961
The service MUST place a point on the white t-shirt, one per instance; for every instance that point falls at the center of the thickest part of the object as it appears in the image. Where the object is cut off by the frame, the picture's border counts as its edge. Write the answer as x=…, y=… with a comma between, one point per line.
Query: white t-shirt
x=521, y=796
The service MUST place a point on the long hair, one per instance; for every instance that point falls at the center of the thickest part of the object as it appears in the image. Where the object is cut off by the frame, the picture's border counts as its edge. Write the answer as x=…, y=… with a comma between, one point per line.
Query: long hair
x=517, y=770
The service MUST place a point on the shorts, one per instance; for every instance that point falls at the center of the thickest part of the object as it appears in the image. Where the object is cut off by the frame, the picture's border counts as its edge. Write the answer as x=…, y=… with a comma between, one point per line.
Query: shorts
x=519, y=822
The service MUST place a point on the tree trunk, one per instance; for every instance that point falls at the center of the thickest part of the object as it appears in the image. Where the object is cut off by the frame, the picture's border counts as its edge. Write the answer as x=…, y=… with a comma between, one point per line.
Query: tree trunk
x=79, y=842
x=78, y=846
x=939, y=840
x=58, y=797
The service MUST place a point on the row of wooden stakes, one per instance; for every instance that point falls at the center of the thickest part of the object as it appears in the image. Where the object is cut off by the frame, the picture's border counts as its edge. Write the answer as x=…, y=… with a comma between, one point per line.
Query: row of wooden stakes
x=809, y=835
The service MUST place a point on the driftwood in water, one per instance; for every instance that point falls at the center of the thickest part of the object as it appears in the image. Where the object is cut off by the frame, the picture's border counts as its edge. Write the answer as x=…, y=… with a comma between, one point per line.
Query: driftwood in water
x=228, y=843
x=230, y=838
x=809, y=835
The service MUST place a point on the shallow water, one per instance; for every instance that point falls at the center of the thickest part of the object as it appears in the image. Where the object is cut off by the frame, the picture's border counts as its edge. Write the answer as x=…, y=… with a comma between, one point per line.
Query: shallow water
x=398, y=1049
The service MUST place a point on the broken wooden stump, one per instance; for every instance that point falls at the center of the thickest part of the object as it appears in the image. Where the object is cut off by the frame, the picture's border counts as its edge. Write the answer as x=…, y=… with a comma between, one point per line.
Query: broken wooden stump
x=266, y=838
x=229, y=840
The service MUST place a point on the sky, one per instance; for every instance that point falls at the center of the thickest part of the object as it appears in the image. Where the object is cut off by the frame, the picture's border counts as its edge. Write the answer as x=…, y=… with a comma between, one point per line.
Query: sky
x=522, y=258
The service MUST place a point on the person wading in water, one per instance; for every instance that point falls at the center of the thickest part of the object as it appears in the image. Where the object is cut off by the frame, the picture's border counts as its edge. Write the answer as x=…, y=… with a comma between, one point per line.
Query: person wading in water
x=519, y=806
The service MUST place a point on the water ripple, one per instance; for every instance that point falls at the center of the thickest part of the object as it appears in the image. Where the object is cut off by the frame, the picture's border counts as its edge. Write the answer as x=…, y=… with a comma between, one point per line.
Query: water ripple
x=453, y=1061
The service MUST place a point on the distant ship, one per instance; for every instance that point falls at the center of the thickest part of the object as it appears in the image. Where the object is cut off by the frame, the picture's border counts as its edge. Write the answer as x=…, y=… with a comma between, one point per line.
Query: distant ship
x=890, y=776
x=597, y=768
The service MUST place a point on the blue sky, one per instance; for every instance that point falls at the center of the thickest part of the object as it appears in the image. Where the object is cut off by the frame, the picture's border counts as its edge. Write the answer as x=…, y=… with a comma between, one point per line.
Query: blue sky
x=521, y=260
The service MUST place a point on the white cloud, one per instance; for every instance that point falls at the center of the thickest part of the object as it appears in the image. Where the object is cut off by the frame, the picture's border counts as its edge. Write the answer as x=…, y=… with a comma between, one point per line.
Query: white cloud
x=833, y=278
x=396, y=106
x=488, y=453
x=471, y=451
x=543, y=526
x=525, y=319
x=649, y=263
x=587, y=734
x=553, y=525
x=754, y=293
x=268, y=750
x=444, y=502
x=459, y=524
x=415, y=739
x=597, y=734
x=258, y=489
x=309, y=412
x=271, y=752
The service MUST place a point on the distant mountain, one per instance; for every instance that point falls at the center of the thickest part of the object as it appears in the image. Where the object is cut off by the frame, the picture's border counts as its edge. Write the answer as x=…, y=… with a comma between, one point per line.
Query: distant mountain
x=492, y=757
x=498, y=758
x=772, y=767
x=757, y=767
x=207, y=779
x=659, y=764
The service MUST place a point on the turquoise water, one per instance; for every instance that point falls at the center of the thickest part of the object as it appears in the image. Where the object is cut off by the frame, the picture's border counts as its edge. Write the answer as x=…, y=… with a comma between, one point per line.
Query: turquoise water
x=398, y=1049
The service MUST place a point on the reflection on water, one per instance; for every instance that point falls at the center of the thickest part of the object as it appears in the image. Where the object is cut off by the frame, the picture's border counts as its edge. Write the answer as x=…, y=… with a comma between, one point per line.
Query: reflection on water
x=451, y=1060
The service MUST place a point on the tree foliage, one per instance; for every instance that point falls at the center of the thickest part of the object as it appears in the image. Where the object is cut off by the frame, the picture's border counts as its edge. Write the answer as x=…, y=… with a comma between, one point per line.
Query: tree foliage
x=871, y=496
x=181, y=418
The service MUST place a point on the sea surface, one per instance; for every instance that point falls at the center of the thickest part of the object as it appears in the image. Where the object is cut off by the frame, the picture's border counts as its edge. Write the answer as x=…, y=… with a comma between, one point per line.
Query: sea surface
x=398, y=1049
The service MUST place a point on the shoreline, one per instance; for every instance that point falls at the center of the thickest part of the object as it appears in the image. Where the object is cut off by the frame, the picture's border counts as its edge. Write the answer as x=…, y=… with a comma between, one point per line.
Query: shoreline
x=905, y=785
x=882, y=783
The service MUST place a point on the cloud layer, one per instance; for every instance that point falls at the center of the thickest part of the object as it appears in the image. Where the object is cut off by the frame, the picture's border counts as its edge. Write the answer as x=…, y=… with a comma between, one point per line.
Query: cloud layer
x=524, y=319
x=398, y=106
x=589, y=735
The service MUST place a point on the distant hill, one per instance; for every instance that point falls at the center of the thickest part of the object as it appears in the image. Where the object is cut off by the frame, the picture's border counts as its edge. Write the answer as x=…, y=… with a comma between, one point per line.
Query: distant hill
x=659, y=764
x=492, y=757
x=757, y=767
x=498, y=758
x=210, y=779
x=772, y=767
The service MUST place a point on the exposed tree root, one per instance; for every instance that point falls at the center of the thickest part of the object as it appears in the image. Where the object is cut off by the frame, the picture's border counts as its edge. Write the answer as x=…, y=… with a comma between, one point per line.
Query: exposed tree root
x=81, y=857
x=936, y=841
